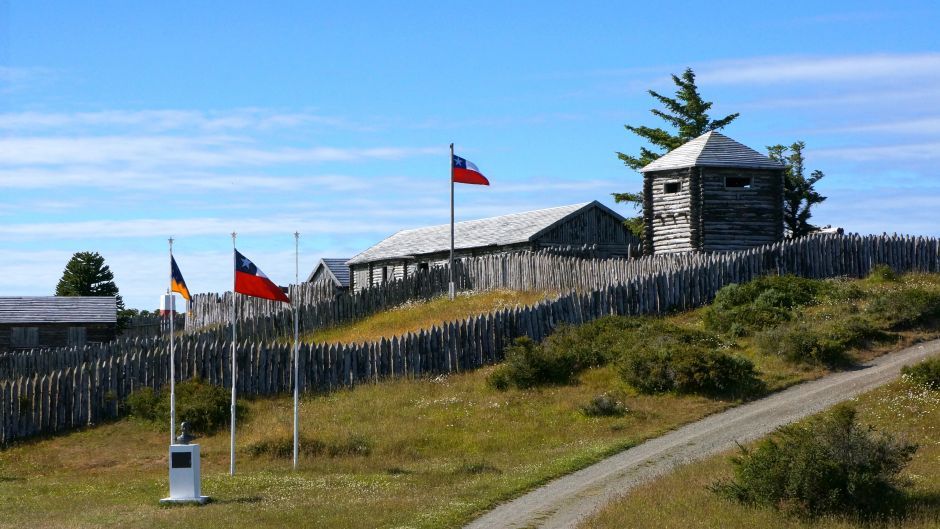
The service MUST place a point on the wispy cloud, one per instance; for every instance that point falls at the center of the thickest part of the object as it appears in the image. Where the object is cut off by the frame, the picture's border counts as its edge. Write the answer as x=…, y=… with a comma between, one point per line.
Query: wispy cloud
x=850, y=68
x=18, y=79
x=910, y=152
x=203, y=151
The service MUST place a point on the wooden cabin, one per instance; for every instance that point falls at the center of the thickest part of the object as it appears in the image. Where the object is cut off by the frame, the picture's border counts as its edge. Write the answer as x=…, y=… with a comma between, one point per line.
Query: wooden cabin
x=331, y=270
x=712, y=194
x=590, y=227
x=56, y=321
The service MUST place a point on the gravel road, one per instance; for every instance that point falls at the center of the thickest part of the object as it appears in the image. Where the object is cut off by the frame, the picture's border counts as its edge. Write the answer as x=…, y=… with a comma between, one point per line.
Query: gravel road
x=568, y=500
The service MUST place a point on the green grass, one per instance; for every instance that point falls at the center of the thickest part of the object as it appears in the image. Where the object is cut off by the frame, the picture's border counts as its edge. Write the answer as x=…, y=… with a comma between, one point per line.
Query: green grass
x=682, y=500
x=415, y=316
x=440, y=451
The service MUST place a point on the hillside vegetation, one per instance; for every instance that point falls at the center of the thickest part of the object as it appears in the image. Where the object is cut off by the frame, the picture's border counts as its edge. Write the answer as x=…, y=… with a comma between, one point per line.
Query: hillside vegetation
x=906, y=409
x=415, y=316
x=432, y=453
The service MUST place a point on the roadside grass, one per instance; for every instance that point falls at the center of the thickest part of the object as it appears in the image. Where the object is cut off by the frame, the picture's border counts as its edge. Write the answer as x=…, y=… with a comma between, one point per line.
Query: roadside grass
x=682, y=500
x=421, y=453
x=441, y=450
x=415, y=316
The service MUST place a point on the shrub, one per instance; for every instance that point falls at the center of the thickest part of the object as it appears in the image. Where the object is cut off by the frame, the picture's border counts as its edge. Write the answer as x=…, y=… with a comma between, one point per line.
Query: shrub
x=283, y=447
x=691, y=370
x=926, y=373
x=529, y=364
x=759, y=304
x=902, y=309
x=825, y=343
x=882, y=274
x=829, y=464
x=204, y=406
x=604, y=405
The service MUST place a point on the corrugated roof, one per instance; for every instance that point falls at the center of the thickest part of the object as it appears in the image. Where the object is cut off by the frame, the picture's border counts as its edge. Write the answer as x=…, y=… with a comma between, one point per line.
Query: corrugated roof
x=58, y=309
x=495, y=231
x=336, y=266
x=712, y=149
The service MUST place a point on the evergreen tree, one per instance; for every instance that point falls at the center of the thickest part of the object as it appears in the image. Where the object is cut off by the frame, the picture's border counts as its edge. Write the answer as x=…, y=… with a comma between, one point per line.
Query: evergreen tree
x=86, y=275
x=687, y=113
x=799, y=196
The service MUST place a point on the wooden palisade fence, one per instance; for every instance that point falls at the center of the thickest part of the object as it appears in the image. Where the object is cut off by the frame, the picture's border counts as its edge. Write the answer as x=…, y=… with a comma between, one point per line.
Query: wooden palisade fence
x=49, y=391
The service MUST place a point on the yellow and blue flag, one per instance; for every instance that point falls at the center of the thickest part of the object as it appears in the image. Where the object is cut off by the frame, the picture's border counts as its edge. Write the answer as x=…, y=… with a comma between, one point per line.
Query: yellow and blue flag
x=177, y=284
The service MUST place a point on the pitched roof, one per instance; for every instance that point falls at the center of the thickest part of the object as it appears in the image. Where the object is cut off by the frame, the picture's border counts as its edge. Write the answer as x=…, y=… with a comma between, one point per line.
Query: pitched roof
x=495, y=231
x=712, y=149
x=58, y=309
x=336, y=267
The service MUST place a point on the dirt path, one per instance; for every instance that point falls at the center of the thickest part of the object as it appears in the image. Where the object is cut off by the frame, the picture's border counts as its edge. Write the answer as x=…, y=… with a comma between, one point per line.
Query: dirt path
x=565, y=502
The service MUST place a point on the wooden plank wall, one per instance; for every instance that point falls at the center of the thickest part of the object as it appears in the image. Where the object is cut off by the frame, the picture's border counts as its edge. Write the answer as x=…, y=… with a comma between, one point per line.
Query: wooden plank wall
x=55, y=390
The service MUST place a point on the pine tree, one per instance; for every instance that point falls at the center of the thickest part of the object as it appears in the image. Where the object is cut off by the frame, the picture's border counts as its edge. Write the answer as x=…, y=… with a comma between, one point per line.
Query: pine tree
x=799, y=196
x=687, y=113
x=86, y=275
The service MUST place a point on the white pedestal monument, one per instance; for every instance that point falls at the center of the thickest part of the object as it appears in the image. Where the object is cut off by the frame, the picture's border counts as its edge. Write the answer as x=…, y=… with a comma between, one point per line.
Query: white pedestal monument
x=185, y=480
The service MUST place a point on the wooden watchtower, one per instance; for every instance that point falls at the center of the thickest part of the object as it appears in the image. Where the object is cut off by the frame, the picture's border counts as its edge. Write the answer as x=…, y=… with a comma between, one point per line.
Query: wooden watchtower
x=712, y=194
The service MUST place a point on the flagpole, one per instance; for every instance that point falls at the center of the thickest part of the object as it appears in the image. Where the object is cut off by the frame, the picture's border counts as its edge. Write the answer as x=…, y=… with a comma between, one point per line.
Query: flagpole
x=172, y=357
x=296, y=345
x=451, y=285
x=231, y=469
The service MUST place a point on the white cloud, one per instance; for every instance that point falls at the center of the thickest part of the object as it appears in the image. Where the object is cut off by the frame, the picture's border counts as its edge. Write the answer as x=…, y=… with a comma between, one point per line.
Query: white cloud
x=158, y=151
x=908, y=152
x=850, y=68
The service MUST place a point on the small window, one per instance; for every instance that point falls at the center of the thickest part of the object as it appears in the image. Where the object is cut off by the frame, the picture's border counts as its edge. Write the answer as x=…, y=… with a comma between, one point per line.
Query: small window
x=78, y=336
x=671, y=187
x=422, y=267
x=738, y=182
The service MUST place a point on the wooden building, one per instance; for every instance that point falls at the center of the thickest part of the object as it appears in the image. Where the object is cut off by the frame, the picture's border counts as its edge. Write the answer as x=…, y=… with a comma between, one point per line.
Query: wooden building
x=712, y=194
x=590, y=227
x=331, y=270
x=53, y=321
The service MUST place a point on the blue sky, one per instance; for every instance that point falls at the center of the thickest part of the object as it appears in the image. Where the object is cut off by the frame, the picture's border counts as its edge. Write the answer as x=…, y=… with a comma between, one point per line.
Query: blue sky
x=122, y=124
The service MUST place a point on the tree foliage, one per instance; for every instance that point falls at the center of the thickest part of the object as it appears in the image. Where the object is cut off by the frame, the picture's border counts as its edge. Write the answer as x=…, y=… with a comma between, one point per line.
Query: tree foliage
x=86, y=275
x=687, y=113
x=799, y=195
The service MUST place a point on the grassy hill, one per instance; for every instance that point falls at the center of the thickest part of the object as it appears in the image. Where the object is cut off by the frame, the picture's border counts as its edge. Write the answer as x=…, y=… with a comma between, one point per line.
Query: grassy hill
x=682, y=500
x=423, y=453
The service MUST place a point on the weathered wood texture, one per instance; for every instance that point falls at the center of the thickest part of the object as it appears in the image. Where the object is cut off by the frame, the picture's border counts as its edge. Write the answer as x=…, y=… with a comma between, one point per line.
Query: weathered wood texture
x=56, y=390
x=704, y=214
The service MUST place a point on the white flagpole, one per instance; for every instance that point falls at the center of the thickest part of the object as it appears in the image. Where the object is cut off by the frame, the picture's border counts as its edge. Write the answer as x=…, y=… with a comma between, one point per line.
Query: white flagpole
x=451, y=285
x=231, y=469
x=172, y=357
x=296, y=302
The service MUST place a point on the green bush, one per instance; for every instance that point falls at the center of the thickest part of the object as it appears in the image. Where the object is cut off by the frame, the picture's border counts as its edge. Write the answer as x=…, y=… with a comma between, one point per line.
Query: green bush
x=693, y=369
x=829, y=464
x=764, y=302
x=206, y=407
x=825, y=343
x=529, y=364
x=926, y=373
x=905, y=308
x=605, y=405
x=882, y=274
x=283, y=447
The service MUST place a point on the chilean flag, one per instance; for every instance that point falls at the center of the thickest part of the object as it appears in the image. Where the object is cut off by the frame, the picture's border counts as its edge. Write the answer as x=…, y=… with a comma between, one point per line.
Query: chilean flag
x=252, y=282
x=463, y=171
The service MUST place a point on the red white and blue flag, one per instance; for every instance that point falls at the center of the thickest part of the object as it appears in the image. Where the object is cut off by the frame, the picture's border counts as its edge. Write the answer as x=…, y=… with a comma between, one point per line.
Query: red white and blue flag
x=464, y=172
x=251, y=281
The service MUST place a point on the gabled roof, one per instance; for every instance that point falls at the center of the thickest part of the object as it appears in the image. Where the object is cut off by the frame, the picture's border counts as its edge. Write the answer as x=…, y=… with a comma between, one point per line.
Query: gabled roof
x=58, y=309
x=495, y=231
x=336, y=269
x=712, y=149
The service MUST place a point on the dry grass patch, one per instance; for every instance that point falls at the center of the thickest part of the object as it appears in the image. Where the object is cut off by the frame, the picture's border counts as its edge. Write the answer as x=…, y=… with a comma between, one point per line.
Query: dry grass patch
x=412, y=317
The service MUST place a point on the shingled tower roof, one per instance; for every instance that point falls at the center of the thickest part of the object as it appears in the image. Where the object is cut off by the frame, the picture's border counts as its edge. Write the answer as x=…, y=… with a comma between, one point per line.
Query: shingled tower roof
x=712, y=149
